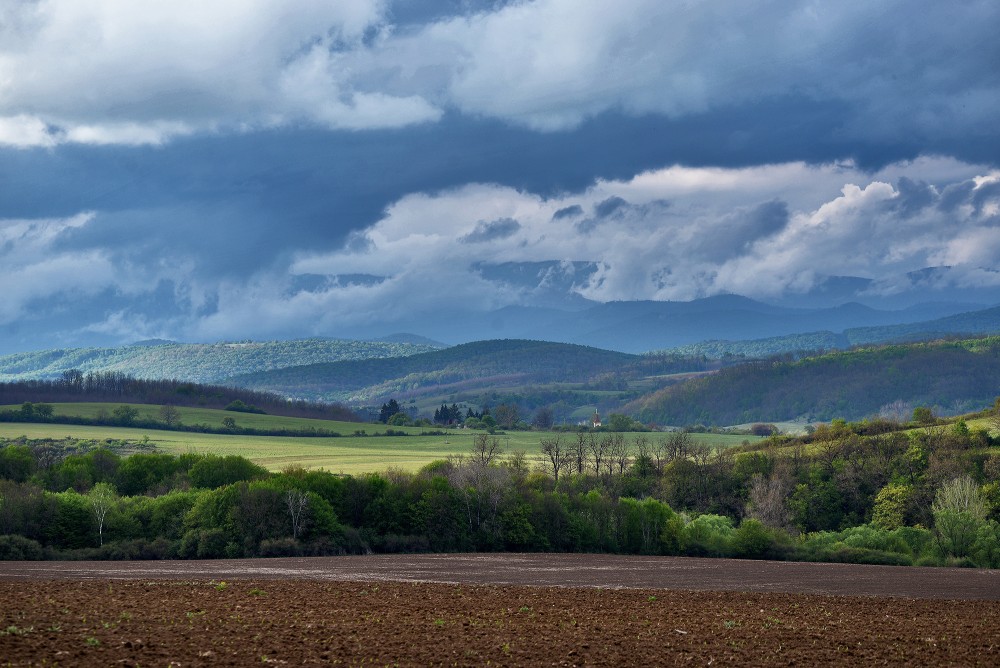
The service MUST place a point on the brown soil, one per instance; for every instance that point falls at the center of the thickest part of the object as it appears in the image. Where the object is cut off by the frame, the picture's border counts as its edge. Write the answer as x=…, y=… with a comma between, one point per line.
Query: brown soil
x=151, y=615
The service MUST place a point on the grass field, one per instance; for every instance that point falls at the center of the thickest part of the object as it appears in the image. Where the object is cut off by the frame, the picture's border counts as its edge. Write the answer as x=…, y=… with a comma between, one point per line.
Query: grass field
x=213, y=418
x=348, y=454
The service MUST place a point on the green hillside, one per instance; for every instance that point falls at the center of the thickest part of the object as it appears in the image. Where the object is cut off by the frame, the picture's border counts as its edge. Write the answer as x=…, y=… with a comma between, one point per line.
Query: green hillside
x=949, y=375
x=494, y=363
x=197, y=362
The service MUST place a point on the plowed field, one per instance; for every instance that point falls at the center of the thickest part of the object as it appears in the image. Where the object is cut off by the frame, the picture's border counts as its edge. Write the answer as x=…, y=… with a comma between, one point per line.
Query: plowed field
x=293, y=612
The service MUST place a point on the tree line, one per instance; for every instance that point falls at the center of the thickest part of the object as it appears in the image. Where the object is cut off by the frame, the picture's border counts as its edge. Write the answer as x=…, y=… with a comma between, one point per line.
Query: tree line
x=849, y=492
x=114, y=386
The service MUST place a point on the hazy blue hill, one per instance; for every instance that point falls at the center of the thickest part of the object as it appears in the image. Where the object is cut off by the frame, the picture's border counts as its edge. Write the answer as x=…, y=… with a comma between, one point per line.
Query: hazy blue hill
x=647, y=325
x=767, y=347
x=197, y=362
x=984, y=321
x=495, y=362
x=950, y=375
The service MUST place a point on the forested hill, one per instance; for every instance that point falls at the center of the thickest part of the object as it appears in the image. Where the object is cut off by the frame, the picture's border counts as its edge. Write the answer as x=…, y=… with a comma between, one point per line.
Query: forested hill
x=498, y=362
x=196, y=362
x=973, y=323
x=948, y=375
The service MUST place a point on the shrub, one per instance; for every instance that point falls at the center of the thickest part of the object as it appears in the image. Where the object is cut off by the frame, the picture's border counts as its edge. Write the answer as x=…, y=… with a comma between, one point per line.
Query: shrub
x=752, y=540
x=19, y=548
x=280, y=547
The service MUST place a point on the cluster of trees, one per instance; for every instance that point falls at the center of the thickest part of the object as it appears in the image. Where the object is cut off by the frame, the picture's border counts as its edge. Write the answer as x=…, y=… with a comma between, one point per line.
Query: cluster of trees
x=449, y=414
x=849, y=492
x=113, y=386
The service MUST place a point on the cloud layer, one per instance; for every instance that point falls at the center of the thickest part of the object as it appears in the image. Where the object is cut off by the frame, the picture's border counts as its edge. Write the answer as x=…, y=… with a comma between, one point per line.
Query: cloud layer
x=262, y=168
x=118, y=72
x=671, y=234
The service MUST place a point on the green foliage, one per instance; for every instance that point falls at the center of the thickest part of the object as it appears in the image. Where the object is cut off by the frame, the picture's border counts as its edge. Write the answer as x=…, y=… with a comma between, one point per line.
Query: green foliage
x=17, y=463
x=752, y=540
x=829, y=484
x=213, y=471
x=400, y=420
x=890, y=506
x=19, y=548
x=923, y=415
x=709, y=535
x=240, y=407
x=959, y=515
x=71, y=525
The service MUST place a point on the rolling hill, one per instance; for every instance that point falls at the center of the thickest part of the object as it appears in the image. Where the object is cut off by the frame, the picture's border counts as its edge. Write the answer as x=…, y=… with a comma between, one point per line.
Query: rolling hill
x=985, y=321
x=483, y=363
x=197, y=362
x=952, y=376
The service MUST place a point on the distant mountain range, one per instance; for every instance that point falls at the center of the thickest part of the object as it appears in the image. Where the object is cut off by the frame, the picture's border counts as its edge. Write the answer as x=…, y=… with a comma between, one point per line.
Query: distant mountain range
x=641, y=326
x=986, y=321
x=539, y=356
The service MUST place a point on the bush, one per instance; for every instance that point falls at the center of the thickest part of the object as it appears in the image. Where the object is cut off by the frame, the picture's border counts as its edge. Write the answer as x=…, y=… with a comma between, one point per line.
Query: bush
x=752, y=540
x=19, y=548
x=280, y=547
x=241, y=407
x=708, y=535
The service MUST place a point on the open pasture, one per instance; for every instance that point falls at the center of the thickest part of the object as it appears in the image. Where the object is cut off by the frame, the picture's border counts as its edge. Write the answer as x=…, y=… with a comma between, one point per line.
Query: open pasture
x=347, y=454
x=214, y=417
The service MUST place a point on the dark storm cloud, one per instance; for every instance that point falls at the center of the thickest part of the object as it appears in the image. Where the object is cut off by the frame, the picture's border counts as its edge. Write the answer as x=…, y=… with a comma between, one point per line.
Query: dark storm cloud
x=491, y=231
x=733, y=234
x=609, y=206
x=568, y=212
x=202, y=174
x=913, y=196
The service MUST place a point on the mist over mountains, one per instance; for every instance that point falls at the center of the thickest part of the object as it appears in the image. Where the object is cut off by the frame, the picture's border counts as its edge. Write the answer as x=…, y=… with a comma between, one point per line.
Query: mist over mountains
x=643, y=326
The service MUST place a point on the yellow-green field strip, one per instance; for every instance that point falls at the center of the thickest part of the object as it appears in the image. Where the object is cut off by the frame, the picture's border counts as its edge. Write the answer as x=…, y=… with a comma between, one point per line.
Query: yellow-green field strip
x=346, y=454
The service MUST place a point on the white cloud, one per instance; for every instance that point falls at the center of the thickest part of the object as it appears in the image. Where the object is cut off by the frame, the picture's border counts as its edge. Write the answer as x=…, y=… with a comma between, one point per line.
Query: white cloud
x=116, y=70
x=23, y=131
x=684, y=233
x=36, y=267
x=899, y=66
x=678, y=233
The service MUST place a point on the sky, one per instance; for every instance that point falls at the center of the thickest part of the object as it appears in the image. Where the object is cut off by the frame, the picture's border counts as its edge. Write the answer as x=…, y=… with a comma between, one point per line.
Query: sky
x=260, y=169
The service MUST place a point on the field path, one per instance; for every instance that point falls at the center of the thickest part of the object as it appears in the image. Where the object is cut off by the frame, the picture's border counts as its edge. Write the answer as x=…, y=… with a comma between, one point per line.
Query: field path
x=563, y=570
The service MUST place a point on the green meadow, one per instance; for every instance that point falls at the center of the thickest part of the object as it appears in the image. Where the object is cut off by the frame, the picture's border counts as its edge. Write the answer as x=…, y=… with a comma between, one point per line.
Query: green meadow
x=347, y=454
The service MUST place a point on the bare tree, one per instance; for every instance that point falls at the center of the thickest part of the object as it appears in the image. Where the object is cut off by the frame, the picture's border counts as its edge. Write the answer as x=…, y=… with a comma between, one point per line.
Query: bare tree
x=169, y=415
x=579, y=452
x=480, y=482
x=486, y=450
x=297, y=502
x=677, y=446
x=555, y=456
x=767, y=499
x=598, y=454
x=642, y=447
x=619, y=455
x=507, y=415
